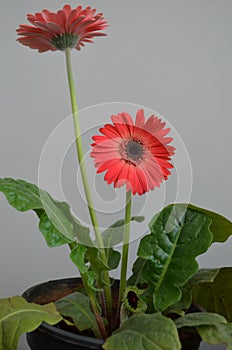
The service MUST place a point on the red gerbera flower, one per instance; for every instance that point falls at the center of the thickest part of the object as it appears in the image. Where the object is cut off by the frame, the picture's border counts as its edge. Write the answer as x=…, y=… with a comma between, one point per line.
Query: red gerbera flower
x=137, y=154
x=67, y=28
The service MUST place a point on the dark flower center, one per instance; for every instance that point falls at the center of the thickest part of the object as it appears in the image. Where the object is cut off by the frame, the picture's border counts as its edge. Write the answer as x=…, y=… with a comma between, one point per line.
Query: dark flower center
x=64, y=41
x=132, y=299
x=134, y=150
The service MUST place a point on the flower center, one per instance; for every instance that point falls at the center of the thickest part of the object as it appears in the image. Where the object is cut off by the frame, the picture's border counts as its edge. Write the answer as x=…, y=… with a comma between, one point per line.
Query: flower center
x=63, y=41
x=132, y=299
x=134, y=150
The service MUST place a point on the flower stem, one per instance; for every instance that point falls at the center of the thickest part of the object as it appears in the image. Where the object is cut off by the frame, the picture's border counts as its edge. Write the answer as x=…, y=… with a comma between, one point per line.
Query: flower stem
x=125, y=250
x=80, y=153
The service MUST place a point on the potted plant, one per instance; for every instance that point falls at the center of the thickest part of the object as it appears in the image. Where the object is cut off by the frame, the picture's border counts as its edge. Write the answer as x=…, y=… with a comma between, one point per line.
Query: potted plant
x=160, y=305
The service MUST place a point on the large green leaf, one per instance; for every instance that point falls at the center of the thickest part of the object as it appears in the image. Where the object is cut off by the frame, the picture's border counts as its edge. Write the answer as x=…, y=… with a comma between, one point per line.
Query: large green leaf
x=57, y=223
x=212, y=328
x=221, y=227
x=199, y=319
x=178, y=236
x=145, y=332
x=25, y=196
x=76, y=306
x=17, y=316
x=216, y=296
x=217, y=334
x=202, y=276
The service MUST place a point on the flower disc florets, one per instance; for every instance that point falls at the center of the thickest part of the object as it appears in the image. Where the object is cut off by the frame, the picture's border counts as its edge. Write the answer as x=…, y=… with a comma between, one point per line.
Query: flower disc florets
x=67, y=28
x=132, y=150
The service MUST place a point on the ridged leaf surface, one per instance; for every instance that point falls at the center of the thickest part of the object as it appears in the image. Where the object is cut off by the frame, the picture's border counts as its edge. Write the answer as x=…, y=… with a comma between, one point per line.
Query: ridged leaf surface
x=178, y=236
x=145, y=332
x=57, y=224
x=17, y=316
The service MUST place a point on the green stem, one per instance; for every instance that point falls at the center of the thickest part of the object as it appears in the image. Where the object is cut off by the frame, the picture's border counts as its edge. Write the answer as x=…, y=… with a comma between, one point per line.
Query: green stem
x=100, y=331
x=94, y=306
x=125, y=250
x=80, y=153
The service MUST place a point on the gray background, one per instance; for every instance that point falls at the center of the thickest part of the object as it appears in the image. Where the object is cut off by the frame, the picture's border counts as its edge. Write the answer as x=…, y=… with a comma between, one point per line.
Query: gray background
x=171, y=56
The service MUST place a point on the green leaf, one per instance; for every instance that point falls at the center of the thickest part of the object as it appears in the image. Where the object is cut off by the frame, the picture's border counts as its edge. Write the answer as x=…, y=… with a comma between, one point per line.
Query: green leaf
x=113, y=258
x=199, y=319
x=53, y=237
x=97, y=265
x=216, y=334
x=77, y=256
x=56, y=214
x=57, y=224
x=221, y=227
x=178, y=236
x=20, y=194
x=17, y=316
x=81, y=232
x=91, y=279
x=137, y=268
x=76, y=306
x=202, y=276
x=113, y=235
x=96, y=262
x=216, y=296
x=82, y=255
x=212, y=328
x=39, y=212
x=25, y=196
x=145, y=332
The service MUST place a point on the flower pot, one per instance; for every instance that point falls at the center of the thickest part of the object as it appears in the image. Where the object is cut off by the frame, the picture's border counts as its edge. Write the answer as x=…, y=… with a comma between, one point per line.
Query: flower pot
x=48, y=337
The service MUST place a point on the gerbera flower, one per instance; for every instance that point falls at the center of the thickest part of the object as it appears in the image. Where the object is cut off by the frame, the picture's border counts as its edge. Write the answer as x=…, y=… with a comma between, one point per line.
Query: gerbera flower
x=67, y=28
x=136, y=154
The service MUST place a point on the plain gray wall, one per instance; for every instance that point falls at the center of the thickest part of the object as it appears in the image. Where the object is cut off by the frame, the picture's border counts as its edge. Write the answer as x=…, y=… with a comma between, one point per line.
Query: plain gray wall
x=174, y=57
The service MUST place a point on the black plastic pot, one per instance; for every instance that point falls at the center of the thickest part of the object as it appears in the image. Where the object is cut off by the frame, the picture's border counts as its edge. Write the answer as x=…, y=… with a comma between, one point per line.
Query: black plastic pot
x=48, y=337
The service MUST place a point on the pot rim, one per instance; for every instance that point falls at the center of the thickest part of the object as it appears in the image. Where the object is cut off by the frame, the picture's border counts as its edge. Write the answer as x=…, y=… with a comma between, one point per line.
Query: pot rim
x=69, y=336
